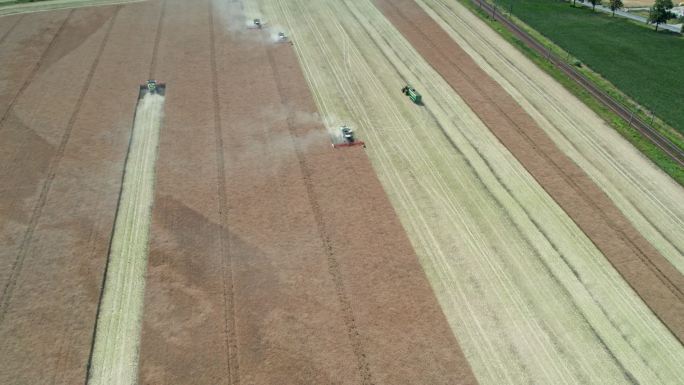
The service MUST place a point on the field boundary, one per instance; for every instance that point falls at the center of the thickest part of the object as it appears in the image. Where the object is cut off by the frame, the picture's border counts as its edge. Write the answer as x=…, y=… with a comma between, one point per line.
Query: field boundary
x=657, y=144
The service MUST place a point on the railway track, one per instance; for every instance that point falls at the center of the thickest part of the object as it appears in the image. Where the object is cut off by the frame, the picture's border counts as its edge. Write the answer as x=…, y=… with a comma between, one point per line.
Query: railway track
x=671, y=149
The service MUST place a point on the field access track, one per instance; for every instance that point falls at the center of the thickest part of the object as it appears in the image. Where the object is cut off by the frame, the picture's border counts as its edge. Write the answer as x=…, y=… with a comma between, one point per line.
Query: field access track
x=273, y=258
x=656, y=281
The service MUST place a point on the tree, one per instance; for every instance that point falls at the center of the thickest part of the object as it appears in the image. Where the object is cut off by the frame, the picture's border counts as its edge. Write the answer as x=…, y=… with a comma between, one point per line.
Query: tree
x=660, y=12
x=615, y=5
x=593, y=4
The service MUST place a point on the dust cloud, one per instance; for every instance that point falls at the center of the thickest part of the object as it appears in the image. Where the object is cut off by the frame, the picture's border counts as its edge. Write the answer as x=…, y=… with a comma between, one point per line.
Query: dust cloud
x=237, y=20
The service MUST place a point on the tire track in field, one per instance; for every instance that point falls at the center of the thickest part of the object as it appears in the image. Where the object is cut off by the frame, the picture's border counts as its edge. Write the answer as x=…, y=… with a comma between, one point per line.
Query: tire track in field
x=10, y=29
x=637, y=250
x=32, y=74
x=230, y=335
x=333, y=265
x=356, y=105
x=52, y=171
x=157, y=39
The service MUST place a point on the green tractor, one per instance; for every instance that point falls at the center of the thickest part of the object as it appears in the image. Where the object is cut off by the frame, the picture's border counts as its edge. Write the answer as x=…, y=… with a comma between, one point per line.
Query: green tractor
x=412, y=94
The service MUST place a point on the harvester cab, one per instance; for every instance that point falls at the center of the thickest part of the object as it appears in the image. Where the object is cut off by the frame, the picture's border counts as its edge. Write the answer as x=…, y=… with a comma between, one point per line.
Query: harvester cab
x=349, y=138
x=152, y=87
x=281, y=36
x=347, y=134
x=412, y=94
x=257, y=23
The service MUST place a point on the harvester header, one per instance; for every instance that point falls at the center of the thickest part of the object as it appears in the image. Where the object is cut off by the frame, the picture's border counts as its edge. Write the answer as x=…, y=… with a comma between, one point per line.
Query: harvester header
x=152, y=87
x=348, y=137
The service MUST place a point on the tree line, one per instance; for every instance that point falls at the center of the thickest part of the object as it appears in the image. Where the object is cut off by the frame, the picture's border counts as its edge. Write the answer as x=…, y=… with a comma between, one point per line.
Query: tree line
x=658, y=14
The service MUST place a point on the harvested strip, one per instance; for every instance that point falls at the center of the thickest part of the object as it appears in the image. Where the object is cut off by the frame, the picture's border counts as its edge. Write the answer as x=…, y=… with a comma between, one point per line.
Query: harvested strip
x=656, y=281
x=115, y=351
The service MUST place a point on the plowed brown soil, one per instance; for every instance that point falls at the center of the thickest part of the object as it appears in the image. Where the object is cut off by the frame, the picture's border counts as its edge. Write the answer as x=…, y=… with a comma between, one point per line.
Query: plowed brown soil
x=274, y=259
x=63, y=148
x=656, y=281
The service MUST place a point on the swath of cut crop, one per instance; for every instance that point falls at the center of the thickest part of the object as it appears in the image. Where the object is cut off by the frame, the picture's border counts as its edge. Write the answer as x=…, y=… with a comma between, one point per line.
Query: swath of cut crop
x=115, y=352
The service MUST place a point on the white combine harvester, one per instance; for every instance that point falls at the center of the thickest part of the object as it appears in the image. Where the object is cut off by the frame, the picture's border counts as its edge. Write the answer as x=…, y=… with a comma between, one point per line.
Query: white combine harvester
x=349, y=139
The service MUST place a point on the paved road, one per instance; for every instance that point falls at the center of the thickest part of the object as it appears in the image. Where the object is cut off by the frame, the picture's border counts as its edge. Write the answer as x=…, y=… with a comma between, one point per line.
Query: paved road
x=671, y=27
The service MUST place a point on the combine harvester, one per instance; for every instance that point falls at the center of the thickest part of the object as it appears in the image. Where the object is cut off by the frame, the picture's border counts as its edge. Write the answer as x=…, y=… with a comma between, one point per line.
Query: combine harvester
x=349, y=138
x=152, y=87
x=412, y=94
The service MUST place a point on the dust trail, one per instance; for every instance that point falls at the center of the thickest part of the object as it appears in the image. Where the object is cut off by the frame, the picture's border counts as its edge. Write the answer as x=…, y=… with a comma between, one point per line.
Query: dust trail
x=237, y=19
x=117, y=337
